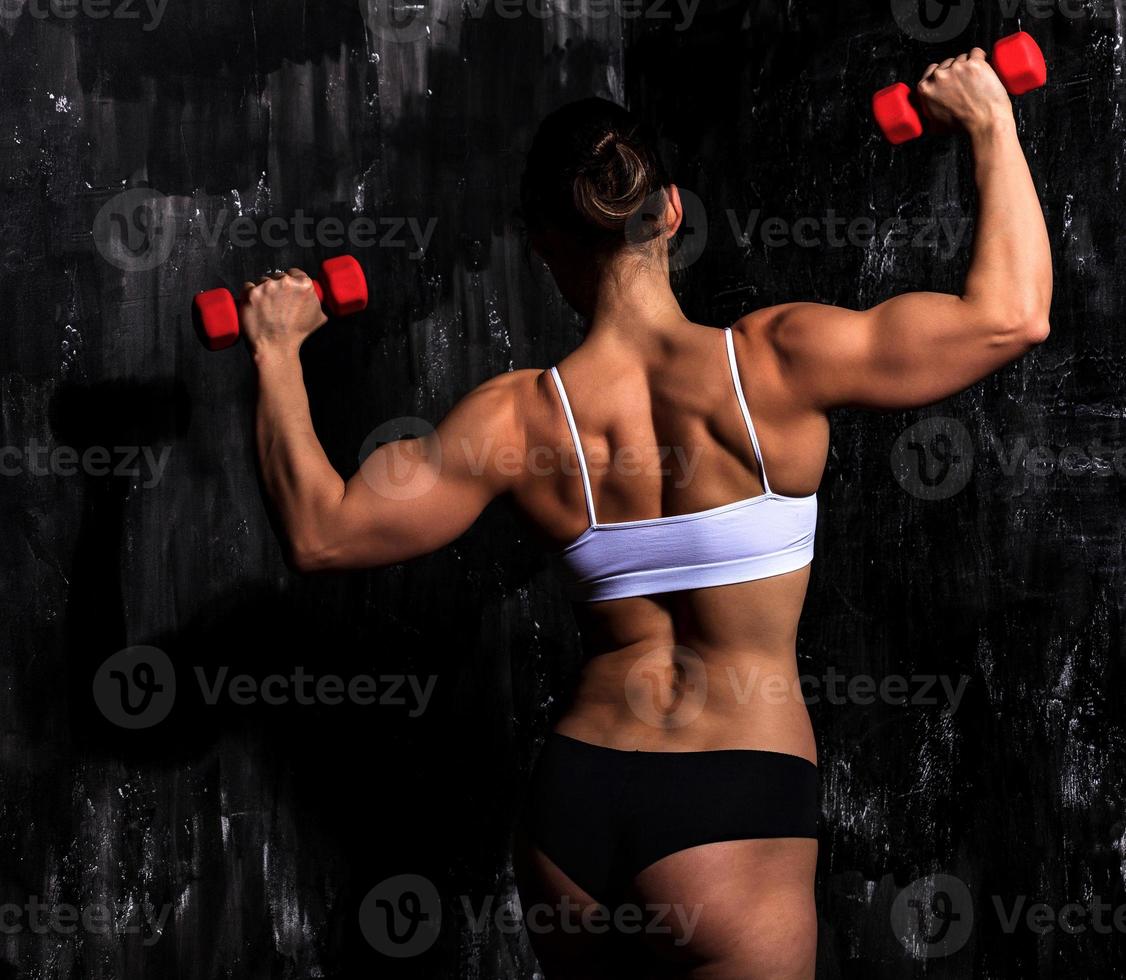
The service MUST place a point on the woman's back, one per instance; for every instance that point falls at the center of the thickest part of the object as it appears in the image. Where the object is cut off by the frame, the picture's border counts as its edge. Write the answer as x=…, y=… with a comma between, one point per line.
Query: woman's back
x=663, y=434
x=687, y=546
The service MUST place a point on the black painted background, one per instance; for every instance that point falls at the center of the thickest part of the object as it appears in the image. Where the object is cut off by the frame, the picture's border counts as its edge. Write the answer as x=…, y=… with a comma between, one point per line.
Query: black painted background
x=260, y=829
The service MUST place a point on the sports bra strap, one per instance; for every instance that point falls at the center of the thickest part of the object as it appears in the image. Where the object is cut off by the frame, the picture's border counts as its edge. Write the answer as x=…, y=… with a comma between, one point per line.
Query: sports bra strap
x=578, y=445
x=743, y=406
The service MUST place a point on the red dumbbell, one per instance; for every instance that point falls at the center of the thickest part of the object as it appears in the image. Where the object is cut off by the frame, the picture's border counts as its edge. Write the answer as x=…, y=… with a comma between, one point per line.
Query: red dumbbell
x=341, y=288
x=1019, y=64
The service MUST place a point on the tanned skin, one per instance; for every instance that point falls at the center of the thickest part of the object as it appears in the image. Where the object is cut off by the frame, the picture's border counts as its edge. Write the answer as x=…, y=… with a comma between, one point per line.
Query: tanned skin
x=643, y=378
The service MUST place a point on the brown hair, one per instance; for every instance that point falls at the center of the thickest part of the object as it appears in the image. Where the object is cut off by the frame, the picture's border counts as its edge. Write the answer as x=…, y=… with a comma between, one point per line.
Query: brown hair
x=594, y=172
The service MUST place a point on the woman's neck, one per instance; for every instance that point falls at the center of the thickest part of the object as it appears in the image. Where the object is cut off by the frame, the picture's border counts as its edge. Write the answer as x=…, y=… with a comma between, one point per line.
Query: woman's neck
x=634, y=306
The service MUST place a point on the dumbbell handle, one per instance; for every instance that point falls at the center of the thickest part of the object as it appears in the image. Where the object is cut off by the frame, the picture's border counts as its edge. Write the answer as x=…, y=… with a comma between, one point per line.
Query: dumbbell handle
x=341, y=288
x=1019, y=64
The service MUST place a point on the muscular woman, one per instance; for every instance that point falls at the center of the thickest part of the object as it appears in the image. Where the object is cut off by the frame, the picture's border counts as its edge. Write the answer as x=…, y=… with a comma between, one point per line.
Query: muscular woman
x=672, y=469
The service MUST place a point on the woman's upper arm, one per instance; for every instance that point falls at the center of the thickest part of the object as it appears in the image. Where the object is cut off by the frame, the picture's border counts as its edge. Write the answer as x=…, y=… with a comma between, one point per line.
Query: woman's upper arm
x=910, y=351
x=413, y=496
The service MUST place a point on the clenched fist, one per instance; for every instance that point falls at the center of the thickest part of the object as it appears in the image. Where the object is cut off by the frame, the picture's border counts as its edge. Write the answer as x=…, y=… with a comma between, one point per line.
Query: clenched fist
x=280, y=310
x=964, y=91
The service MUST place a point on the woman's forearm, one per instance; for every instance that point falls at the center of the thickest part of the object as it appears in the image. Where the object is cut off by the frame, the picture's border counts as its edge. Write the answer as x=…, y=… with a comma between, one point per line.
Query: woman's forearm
x=1011, y=271
x=298, y=476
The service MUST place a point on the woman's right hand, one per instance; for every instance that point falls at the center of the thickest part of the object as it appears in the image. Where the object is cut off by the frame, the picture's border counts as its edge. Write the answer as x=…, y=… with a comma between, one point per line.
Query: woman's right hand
x=964, y=92
x=279, y=312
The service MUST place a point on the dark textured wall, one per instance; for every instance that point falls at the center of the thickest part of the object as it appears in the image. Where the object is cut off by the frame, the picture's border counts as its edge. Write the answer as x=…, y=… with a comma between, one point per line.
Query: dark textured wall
x=981, y=550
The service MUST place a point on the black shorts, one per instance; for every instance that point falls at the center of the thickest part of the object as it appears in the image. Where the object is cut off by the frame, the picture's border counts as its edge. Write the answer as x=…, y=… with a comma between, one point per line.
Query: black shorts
x=604, y=815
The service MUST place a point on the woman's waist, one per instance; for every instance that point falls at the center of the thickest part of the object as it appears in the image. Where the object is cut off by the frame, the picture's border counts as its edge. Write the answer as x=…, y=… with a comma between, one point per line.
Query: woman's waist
x=674, y=698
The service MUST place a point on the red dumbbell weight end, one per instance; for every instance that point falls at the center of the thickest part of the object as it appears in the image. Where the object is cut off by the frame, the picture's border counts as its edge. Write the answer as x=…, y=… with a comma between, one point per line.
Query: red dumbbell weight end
x=1019, y=64
x=341, y=288
x=896, y=113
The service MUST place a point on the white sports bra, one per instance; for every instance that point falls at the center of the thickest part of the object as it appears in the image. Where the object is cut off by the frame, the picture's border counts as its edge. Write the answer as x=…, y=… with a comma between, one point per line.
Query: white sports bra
x=739, y=542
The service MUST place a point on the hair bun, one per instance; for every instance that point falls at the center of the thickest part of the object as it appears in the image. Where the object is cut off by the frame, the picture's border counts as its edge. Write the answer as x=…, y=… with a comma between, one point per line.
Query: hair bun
x=594, y=174
x=612, y=189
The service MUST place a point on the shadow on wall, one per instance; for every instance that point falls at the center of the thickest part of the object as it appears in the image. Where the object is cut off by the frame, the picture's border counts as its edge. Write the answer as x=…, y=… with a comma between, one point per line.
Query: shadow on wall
x=423, y=775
